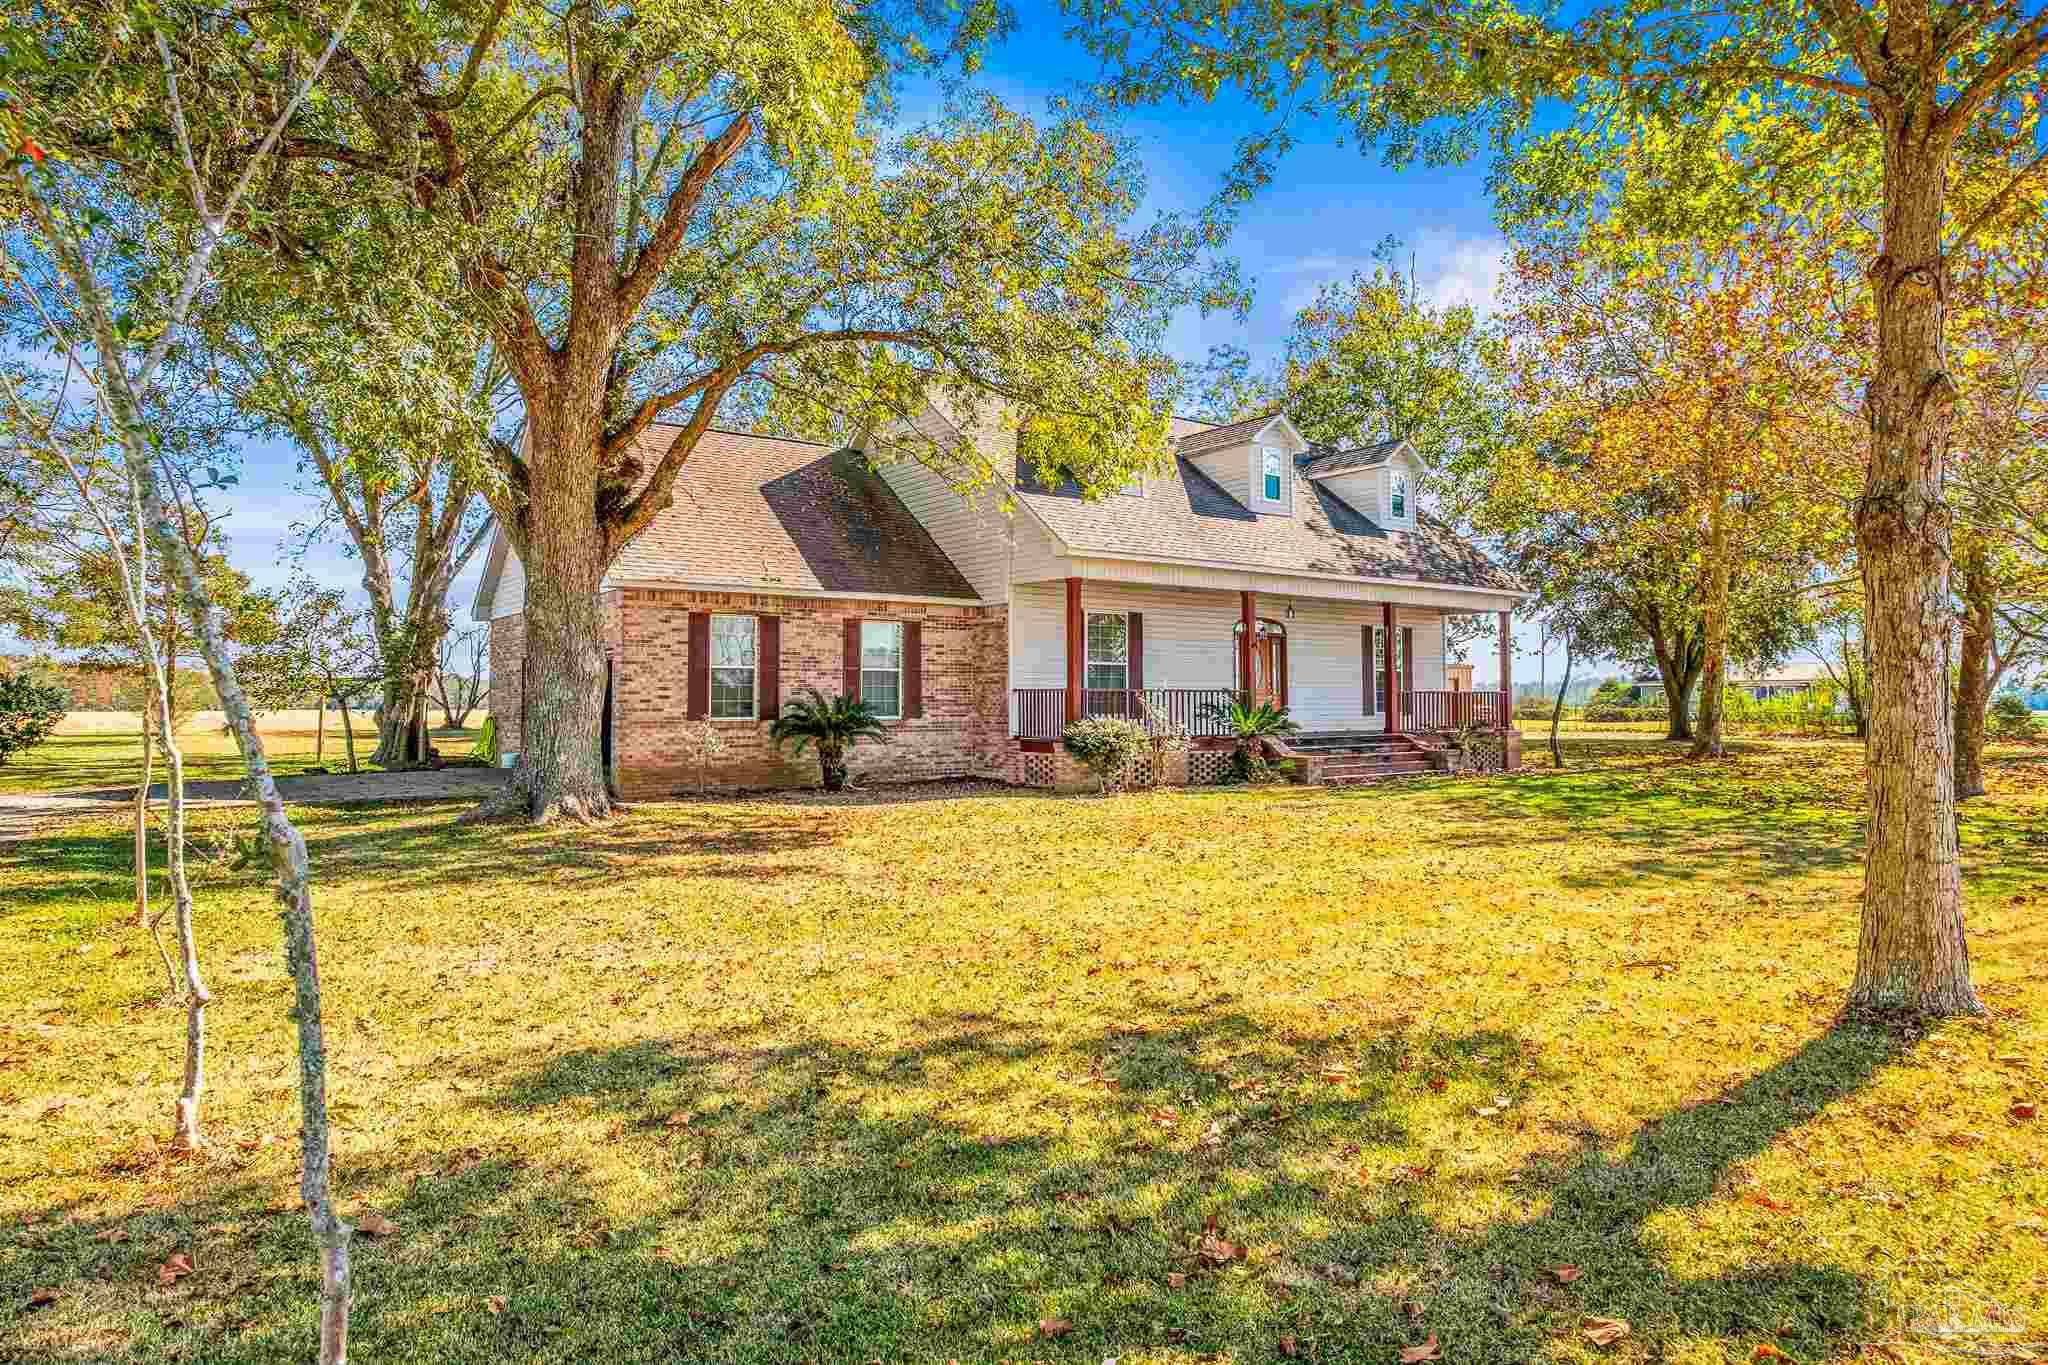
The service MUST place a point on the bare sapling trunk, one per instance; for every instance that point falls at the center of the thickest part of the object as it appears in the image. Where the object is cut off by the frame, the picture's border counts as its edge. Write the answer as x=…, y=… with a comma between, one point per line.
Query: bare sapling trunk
x=320, y=732
x=565, y=553
x=187, y=1134
x=142, y=820
x=1714, y=672
x=1912, y=958
x=1973, y=672
x=1557, y=708
x=348, y=733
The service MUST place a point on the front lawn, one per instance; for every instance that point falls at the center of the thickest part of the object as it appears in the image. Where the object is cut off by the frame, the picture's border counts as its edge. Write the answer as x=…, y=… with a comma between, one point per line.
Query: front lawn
x=1239, y=1076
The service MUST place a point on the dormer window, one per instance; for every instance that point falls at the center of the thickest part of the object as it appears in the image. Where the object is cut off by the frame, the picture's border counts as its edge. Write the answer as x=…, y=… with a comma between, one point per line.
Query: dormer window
x=1271, y=469
x=1397, y=498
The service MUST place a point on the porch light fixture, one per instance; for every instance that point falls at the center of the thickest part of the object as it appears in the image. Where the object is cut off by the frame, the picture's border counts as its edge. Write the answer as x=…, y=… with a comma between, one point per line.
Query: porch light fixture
x=1290, y=611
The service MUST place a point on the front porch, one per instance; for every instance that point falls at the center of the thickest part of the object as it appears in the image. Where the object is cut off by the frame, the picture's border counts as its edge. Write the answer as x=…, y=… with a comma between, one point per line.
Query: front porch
x=1169, y=658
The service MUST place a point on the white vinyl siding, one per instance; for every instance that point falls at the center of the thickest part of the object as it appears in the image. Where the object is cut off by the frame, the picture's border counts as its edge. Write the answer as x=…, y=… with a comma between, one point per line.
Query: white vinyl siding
x=510, y=597
x=974, y=534
x=1230, y=467
x=1188, y=642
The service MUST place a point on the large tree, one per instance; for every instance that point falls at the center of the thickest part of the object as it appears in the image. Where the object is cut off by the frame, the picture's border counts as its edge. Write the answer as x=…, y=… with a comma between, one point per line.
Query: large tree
x=1695, y=389
x=394, y=436
x=1912, y=80
x=655, y=212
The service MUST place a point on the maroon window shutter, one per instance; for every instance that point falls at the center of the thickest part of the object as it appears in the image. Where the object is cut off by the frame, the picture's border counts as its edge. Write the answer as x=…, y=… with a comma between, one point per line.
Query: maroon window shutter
x=913, y=669
x=1134, y=651
x=768, y=639
x=1366, y=665
x=1280, y=670
x=700, y=665
x=852, y=679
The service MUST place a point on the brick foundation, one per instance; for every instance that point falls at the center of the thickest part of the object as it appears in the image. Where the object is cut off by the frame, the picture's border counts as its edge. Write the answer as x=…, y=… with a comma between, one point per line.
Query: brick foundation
x=963, y=730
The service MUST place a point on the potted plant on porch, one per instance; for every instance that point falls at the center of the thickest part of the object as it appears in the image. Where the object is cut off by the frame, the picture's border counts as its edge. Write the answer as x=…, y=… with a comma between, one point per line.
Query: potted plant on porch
x=834, y=724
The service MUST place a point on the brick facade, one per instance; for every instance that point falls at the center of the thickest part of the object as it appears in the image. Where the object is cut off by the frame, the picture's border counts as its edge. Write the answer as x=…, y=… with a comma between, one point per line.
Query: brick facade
x=963, y=731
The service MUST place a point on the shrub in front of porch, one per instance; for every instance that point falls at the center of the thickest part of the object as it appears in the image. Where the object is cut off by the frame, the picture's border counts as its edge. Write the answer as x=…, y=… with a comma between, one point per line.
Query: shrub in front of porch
x=1110, y=746
x=1250, y=726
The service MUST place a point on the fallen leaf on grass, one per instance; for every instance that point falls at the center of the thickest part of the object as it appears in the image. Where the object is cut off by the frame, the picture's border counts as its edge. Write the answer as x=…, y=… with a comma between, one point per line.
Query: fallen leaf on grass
x=112, y=1234
x=1413, y=1310
x=680, y=1120
x=1175, y=1279
x=1605, y=1331
x=496, y=1303
x=1054, y=1327
x=2023, y=1110
x=1764, y=1201
x=374, y=1224
x=175, y=1269
x=1288, y=1348
x=1439, y=1083
x=1216, y=1251
x=1336, y=1073
x=1413, y=1355
x=1768, y=1352
x=42, y=1298
x=1565, y=1274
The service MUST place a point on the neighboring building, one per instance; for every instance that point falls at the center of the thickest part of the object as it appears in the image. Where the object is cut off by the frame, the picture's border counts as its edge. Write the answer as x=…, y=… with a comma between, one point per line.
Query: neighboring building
x=1786, y=680
x=981, y=634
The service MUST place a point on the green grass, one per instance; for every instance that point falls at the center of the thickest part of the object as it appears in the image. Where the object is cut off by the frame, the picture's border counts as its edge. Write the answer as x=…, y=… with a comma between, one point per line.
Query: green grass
x=69, y=763
x=782, y=1081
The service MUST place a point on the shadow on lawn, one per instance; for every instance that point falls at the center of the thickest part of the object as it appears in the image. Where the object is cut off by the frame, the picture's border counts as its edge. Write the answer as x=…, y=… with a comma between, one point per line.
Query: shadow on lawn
x=824, y=1201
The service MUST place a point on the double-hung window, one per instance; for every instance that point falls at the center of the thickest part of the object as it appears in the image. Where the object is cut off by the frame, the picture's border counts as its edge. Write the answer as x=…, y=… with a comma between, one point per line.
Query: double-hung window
x=1109, y=651
x=1397, y=498
x=881, y=667
x=1271, y=469
x=735, y=665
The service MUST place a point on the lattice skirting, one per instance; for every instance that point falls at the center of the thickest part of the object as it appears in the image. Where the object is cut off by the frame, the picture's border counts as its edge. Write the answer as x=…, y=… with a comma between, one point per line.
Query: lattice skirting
x=1484, y=754
x=1207, y=767
x=1038, y=769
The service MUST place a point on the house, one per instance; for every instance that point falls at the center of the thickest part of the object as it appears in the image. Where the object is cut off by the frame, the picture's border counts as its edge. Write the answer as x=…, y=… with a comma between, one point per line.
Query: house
x=1252, y=564
x=1785, y=680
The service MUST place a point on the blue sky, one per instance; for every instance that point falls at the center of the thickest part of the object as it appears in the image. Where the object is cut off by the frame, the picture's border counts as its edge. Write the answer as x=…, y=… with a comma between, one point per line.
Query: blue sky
x=1319, y=221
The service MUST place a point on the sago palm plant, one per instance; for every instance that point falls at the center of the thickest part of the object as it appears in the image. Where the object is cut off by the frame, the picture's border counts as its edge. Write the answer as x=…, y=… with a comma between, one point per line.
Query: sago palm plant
x=834, y=724
x=1248, y=724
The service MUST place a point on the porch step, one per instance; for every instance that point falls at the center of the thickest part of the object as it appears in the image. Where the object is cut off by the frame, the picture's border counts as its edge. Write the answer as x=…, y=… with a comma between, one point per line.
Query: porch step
x=1367, y=769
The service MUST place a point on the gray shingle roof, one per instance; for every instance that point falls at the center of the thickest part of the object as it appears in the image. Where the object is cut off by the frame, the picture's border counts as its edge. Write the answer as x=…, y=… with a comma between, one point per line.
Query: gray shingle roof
x=785, y=514
x=1321, y=460
x=1214, y=438
x=1185, y=514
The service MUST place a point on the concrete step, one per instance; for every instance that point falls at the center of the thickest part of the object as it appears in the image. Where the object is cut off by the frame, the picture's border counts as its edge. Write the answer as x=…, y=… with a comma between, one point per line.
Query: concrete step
x=1339, y=771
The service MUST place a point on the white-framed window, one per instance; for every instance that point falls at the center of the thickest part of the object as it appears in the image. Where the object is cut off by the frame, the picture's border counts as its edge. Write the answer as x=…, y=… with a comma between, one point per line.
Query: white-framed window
x=1109, y=652
x=735, y=666
x=1269, y=474
x=881, y=667
x=1397, y=496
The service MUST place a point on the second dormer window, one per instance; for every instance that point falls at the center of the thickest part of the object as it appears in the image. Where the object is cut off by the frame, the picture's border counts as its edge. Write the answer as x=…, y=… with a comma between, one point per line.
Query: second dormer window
x=1397, y=501
x=1272, y=472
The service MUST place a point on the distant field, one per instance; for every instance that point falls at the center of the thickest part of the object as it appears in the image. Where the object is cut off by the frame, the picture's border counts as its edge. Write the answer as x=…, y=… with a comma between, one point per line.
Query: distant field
x=87, y=762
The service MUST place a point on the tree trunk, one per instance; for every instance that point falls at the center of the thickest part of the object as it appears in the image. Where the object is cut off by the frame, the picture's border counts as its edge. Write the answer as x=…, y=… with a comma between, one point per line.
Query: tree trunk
x=1714, y=676
x=187, y=1134
x=400, y=726
x=142, y=822
x=1557, y=709
x=1912, y=958
x=832, y=766
x=319, y=732
x=565, y=554
x=1973, y=675
x=348, y=732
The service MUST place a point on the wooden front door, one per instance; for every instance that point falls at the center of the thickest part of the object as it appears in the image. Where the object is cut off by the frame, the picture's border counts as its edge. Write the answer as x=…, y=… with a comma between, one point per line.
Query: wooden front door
x=1269, y=670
